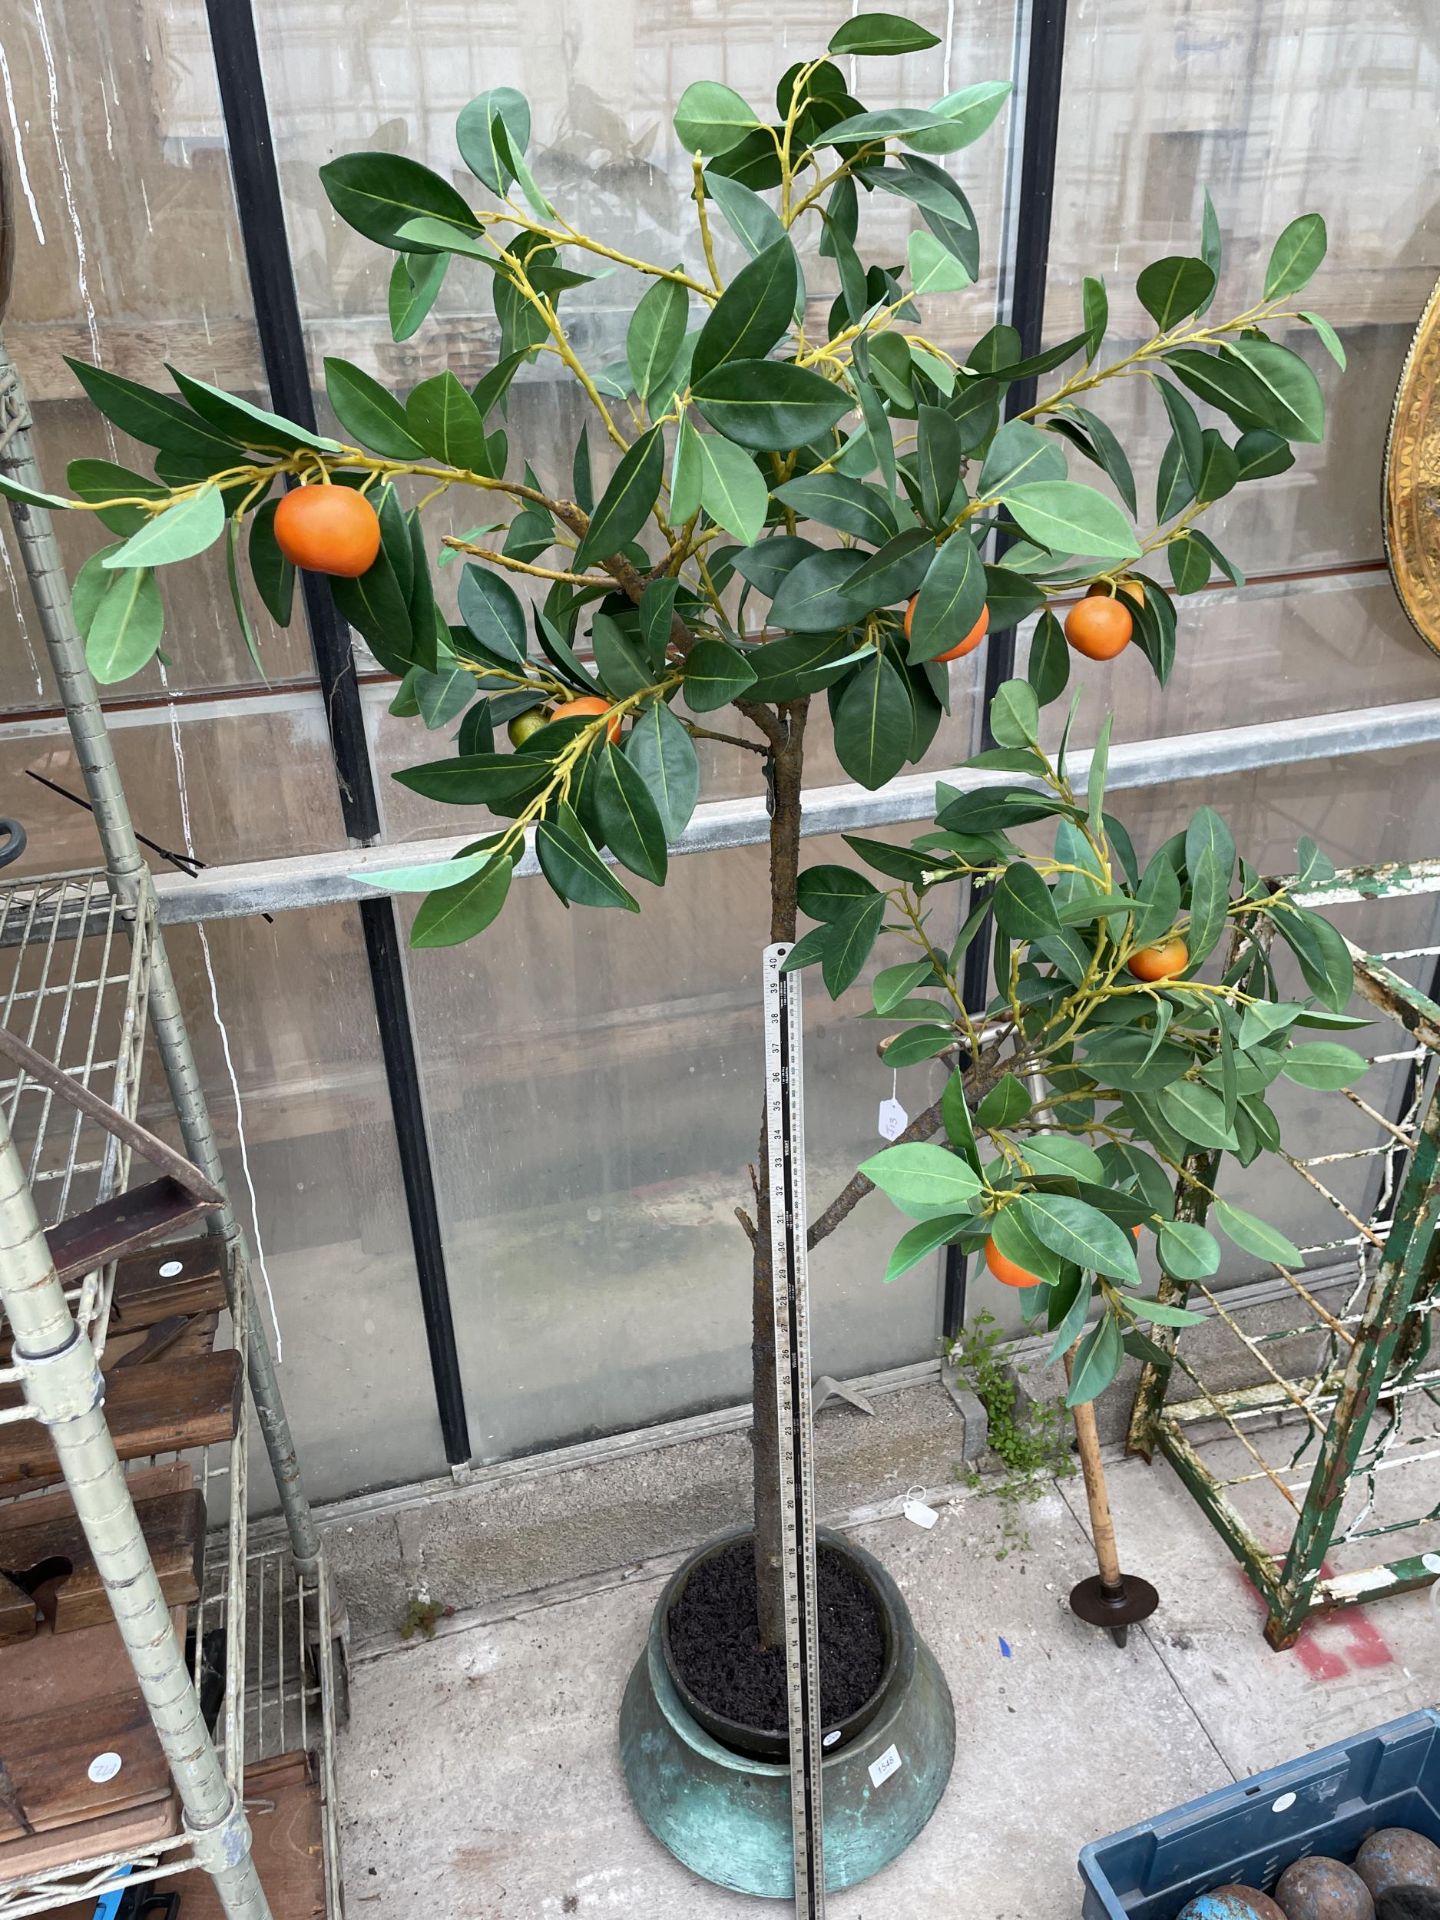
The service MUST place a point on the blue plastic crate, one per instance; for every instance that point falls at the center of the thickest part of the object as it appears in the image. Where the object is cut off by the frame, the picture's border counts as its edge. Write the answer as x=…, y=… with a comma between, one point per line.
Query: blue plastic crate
x=1249, y=1833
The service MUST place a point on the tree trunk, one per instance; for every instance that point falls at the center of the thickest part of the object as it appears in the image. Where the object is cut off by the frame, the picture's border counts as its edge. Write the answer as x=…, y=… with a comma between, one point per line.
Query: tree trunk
x=787, y=768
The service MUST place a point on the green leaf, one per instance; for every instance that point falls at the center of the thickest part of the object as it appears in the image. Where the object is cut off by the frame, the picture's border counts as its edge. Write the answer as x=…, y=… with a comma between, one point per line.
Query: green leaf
x=491, y=609
x=1323, y=955
x=625, y=504
x=475, y=134
x=664, y=754
x=922, y=1179
x=1197, y=1114
x=938, y=457
x=369, y=412
x=446, y=421
x=180, y=532
x=458, y=913
x=1173, y=287
x=752, y=314
x=815, y=596
x=155, y=419
x=1023, y=905
x=1079, y=1232
x=715, y=674
x=1256, y=1237
x=712, y=119
x=753, y=221
x=1048, y=667
x=848, y=947
x=415, y=281
x=873, y=724
x=1297, y=254
x=125, y=628
x=877, y=33
x=272, y=573
x=237, y=599
x=1096, y=1363
x=894, y=984
x=657, y=613
x=89, y=587
x=831, y=892
x=1106, y=451
x=912, y=1247
x=1096, y=306
x=962, y=118
x=619, y=660
x=628, y=816
x=769, y=405
x=1187, y=1252
x=252, y=426
x=377, y=193
x=1211, y=248
x=1189, y=437
x=1293, y=393
x=570, y=862
x=1015, y=714
x=1007, y=1102
x=951, y=598
x=1166, y=1315
x=1020, y=454
x=850, y=506
x=732, y=488
x=933, y=267
x=434, y=876
x=1068, y=518
x=653, y=337
x=377, y=607
x=30, y=497
x=1324, y=1064
x=1328, y=337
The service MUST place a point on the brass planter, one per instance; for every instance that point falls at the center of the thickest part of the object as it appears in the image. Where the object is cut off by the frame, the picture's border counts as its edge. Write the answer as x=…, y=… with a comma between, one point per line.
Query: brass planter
x=726, y=1814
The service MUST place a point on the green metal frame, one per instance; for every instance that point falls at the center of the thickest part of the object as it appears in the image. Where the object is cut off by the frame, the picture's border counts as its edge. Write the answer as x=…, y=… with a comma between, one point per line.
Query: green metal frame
x=1386, y=1352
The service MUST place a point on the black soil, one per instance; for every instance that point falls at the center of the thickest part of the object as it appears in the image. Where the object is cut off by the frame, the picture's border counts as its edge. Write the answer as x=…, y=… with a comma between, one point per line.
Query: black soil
x=718, y=1655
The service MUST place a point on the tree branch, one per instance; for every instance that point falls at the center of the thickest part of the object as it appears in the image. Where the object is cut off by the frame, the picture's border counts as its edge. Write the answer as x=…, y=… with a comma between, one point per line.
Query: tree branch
x=979, y=1078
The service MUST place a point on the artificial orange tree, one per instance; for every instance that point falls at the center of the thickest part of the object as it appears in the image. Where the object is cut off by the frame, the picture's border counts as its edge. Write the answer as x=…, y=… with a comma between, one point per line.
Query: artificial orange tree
x=778, y=494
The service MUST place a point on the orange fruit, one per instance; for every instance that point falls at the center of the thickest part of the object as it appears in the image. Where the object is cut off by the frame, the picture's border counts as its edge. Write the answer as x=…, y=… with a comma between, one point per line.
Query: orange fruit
x=328, y=529
x=968, y=645
x=1006, y=1271
x=1160, y=963
x=524, y=724
x=1099, y=627
x=582, y=709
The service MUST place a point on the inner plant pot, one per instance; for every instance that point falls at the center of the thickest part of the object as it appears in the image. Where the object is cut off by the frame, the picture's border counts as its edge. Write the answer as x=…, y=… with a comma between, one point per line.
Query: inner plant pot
x=736, y=1688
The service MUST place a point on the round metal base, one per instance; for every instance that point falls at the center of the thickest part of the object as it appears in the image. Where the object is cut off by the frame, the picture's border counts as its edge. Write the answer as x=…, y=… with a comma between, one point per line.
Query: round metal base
x=1118, y=1608
x=726, y=1815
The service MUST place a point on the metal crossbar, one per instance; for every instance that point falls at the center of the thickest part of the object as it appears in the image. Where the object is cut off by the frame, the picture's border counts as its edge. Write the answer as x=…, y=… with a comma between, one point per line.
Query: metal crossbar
x=1302, y=1463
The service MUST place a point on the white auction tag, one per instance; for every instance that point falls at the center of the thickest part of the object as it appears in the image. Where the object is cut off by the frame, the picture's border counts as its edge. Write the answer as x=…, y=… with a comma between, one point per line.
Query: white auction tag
x=881, y=1769
x=893, y=1120
x=916, y=1511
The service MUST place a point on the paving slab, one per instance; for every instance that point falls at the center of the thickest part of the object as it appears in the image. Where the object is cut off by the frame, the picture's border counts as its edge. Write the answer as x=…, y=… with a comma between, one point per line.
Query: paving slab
x=1351, y=1670
x=480, y=1773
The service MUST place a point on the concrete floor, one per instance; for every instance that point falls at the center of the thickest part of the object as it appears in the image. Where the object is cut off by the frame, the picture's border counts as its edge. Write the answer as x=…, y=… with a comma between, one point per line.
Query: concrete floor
x=480, y=1778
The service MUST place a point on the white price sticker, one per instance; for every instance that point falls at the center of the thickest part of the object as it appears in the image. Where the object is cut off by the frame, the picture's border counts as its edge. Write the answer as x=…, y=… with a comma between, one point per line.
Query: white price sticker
x=893, y=1120
x=104, y=1767
x=881, y=1769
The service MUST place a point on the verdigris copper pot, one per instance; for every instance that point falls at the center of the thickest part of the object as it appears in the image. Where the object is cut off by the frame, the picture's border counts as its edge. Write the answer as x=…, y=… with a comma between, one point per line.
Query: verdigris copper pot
x=725, y=1813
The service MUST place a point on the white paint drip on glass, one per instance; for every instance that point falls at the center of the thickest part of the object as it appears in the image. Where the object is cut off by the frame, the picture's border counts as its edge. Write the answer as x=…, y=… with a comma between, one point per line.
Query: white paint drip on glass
x=182, y=787
x=18, y=137
x=52, y=88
